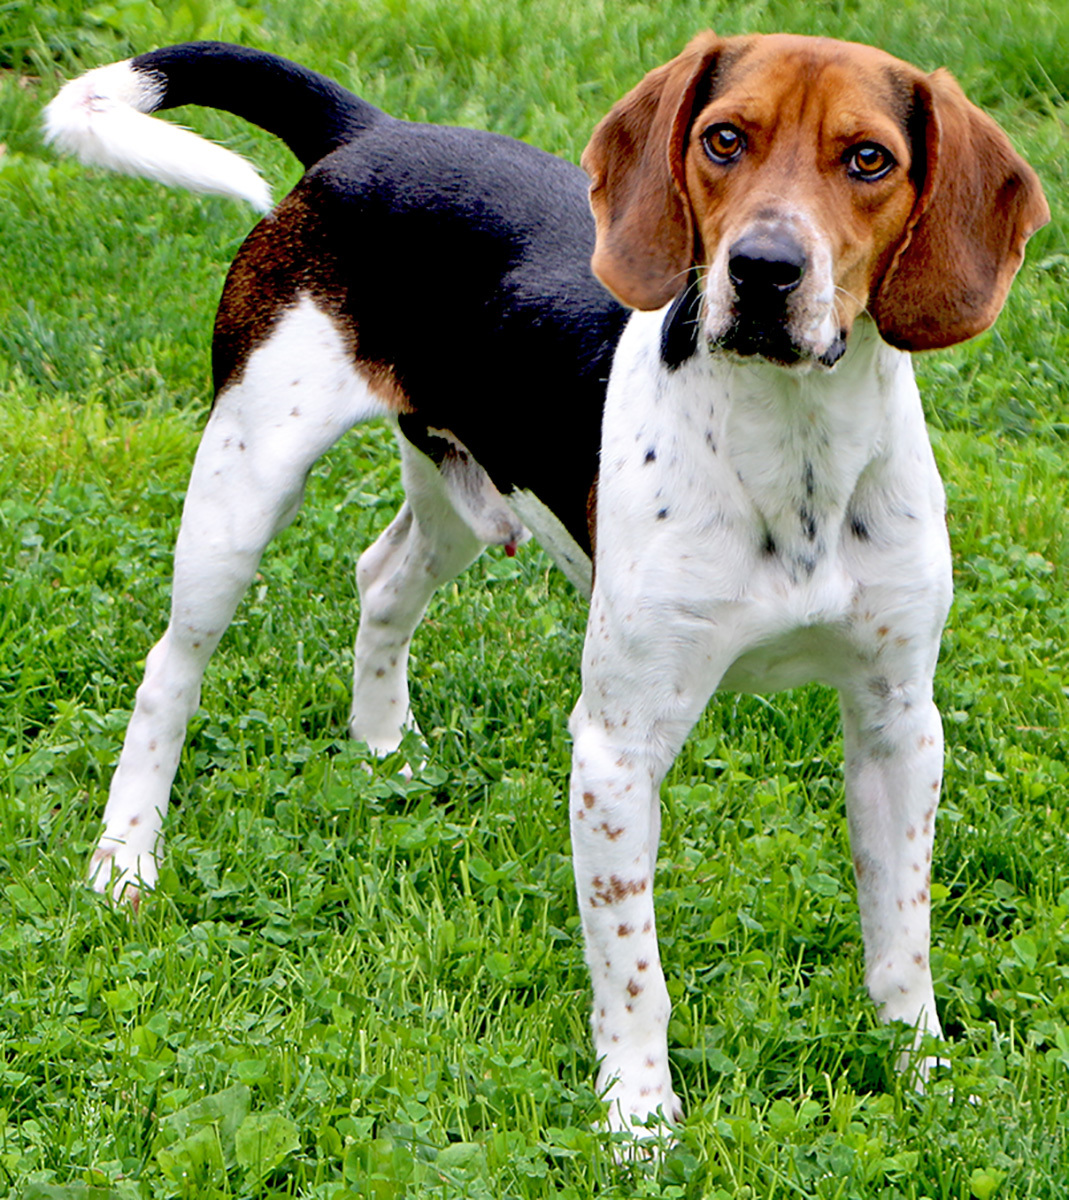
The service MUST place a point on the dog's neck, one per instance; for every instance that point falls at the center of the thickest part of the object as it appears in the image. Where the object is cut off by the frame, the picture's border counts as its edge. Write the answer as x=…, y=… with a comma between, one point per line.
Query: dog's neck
x=797, y=442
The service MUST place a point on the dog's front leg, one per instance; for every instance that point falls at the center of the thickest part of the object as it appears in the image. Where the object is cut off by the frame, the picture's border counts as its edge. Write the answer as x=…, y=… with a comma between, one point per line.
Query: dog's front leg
x=641, y=695
x=893, y=744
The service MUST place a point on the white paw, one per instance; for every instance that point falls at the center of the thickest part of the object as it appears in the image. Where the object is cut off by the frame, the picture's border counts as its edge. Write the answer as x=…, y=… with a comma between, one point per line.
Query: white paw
x=383, y=745
x=645, y=1107
x=117, y=870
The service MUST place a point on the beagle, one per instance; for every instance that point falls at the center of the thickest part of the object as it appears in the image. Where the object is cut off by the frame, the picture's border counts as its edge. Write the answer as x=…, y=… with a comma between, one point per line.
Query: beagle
x=496, y=388
x=788, y=217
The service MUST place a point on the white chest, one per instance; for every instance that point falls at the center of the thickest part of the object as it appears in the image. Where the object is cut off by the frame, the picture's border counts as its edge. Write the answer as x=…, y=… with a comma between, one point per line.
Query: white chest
x=795, y=522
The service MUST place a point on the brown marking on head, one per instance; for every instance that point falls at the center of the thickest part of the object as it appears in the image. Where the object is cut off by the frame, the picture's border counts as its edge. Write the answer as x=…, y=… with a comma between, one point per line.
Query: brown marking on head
x=589, y=799
x=928, y=245
x=624, y=931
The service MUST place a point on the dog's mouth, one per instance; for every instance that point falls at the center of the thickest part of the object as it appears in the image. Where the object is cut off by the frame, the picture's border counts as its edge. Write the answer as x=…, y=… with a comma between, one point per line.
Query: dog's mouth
x=773, y=341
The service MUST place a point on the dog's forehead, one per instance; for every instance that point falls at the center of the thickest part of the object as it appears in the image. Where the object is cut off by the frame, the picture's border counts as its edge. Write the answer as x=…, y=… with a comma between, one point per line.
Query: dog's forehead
x=788, y=70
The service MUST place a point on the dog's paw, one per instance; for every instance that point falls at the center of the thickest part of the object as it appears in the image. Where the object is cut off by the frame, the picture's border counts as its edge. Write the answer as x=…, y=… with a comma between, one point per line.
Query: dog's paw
x=121, y=873
x=645, y=1111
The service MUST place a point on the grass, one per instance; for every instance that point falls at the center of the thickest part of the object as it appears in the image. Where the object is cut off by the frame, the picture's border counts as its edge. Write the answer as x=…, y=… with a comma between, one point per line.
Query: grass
x=349, y=984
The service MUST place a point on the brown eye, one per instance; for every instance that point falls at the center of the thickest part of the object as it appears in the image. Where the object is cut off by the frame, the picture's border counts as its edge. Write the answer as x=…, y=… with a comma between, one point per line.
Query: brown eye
x=723, y=143
x=869, y=161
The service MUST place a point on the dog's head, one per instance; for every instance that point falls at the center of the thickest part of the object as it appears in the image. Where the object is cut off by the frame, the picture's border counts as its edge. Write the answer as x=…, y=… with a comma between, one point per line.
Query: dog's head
x=809, y=180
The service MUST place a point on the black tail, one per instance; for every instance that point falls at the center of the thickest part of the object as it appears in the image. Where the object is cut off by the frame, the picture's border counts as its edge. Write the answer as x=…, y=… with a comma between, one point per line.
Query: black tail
x=311, y=113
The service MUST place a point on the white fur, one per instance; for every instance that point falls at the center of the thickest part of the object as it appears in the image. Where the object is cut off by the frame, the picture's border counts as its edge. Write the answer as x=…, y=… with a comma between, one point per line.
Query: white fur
x=758, y=527
x=102, y=118
x=296, y=396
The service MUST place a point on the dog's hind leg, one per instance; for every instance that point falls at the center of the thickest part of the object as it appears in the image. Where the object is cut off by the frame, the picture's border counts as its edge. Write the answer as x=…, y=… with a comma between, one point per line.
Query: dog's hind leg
x=451, y=512
x=296, y=395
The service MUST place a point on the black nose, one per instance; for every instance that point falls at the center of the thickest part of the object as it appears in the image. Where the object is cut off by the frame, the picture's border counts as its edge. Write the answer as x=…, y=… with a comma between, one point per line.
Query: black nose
x=768, y=262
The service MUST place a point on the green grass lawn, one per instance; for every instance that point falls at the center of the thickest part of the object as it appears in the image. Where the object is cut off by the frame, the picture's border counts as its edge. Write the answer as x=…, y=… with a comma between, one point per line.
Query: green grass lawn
x=350, y=984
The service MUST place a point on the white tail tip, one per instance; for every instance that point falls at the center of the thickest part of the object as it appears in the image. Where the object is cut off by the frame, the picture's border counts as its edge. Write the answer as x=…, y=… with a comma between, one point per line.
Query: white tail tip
x=102, y=117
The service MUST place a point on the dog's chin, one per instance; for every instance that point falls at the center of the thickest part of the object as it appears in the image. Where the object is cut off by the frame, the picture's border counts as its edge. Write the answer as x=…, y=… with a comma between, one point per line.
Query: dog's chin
x=775, y=344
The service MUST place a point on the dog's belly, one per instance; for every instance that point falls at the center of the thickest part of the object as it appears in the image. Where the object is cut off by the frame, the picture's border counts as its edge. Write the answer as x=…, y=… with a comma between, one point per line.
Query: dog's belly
x=813, y=654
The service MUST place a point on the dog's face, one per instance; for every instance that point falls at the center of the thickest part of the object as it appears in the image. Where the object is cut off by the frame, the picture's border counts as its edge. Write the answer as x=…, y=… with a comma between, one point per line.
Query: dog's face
x=809, y=180
x=799, y=175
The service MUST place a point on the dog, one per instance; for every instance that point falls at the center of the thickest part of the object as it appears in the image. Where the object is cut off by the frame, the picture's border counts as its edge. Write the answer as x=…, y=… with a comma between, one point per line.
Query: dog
x=496, y=388
x=787, y=218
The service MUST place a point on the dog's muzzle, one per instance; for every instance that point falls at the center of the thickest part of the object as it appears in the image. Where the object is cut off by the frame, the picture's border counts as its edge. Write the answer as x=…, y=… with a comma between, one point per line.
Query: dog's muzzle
x=766, y=266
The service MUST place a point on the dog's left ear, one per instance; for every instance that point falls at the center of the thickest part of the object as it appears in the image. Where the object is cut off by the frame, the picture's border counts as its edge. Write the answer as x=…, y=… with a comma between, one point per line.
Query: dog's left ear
x=979, y=202
x=645, y=228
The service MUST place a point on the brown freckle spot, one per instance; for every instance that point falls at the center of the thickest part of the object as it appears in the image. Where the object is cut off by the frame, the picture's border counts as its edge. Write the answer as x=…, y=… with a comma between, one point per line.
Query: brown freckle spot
x=633, y=988
x=196, y=645
x=913, y=902
x=901, y=641
x=624, y=931
x=241, y=445
x=929, y=814
x=650, y=1062
x=903, y=989
x=935, y=785
x=134, y=821
x=647, y=927
x=642, y=964
x=601, y=1013
x=615, y=1037
x=911, y=833
x=622, y=761
x=917, y=867
x=922, y=897
x=380, y=672
x=883, y=630
x=901, y=905
x=152, y=745
x=588, y=799
x=295, y=411
x=580, y=814
x=644, y=1091
x=919, y=959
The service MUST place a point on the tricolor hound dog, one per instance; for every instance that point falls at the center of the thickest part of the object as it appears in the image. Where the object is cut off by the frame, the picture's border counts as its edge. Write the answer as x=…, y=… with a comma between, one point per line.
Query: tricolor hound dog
x=790, y=217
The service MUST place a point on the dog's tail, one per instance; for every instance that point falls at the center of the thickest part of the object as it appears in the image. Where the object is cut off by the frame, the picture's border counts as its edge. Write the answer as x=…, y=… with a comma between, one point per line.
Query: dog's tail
x=102, y=116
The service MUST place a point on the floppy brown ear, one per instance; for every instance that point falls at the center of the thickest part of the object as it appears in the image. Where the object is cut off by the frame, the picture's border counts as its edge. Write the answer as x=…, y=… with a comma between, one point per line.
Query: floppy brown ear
x=645, y=229
x=979, y=203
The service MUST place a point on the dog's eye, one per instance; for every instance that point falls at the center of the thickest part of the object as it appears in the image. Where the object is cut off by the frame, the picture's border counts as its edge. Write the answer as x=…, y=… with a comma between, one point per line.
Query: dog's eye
x=723, y=143
x=869, y=161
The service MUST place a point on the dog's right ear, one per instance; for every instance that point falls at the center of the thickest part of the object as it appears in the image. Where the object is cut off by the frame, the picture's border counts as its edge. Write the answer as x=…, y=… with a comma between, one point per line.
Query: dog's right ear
x=645, y=228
